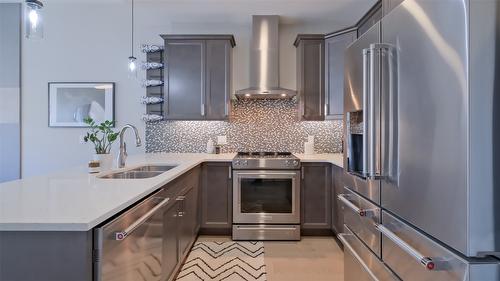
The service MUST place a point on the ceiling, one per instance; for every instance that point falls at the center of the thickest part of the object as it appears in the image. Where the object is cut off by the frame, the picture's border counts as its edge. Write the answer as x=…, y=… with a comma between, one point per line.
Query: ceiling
x=339, y=12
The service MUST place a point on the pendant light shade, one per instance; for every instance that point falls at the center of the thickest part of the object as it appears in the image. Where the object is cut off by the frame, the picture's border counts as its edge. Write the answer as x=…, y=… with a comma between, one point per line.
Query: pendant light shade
x=132, y=67
x=132, y=64
x=33, y=19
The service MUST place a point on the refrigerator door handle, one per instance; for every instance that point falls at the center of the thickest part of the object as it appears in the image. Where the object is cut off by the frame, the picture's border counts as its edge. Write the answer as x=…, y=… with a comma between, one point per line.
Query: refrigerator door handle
x=370, y=169
x=426, y=262
x=366, y=105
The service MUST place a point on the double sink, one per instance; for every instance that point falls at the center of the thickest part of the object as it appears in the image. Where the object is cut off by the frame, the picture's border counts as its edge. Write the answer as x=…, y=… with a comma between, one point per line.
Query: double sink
x=142, y=172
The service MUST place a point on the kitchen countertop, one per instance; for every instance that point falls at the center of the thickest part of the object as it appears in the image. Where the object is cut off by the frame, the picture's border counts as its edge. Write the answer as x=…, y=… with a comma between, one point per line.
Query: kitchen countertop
x=74, y=200
x=336, y=159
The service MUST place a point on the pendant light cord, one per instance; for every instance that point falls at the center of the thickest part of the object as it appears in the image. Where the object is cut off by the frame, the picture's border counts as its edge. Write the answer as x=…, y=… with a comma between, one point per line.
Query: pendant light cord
x=132, y=28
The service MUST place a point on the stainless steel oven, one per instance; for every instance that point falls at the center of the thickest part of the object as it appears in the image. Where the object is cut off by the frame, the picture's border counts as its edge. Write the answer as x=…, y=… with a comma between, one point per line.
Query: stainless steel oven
x=266, y=196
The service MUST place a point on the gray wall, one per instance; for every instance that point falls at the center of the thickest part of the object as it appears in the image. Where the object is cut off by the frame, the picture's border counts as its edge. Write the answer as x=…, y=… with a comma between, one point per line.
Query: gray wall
x=10, y=40
x=253, y=126
x=90, y=41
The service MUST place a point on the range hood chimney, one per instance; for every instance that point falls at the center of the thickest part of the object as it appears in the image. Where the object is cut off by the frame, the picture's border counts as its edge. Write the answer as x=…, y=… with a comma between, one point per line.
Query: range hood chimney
x=264, y=62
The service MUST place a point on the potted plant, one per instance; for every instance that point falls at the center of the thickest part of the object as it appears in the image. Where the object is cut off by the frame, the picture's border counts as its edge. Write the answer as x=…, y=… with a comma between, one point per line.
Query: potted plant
x=102, y=136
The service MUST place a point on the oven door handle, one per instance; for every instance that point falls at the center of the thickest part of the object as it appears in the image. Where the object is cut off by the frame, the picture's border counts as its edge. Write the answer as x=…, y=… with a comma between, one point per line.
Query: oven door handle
x=266, y=173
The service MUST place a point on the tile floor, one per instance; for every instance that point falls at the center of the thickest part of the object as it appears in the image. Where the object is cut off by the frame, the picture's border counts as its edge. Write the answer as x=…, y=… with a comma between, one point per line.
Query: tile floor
x=311, y=259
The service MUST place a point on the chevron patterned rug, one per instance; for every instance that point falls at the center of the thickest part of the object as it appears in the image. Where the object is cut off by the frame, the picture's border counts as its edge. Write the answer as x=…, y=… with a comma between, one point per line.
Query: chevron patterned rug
x=229, y=261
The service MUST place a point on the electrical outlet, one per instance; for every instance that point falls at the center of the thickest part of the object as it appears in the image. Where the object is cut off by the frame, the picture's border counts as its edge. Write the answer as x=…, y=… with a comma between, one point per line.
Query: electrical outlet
x=221, y=140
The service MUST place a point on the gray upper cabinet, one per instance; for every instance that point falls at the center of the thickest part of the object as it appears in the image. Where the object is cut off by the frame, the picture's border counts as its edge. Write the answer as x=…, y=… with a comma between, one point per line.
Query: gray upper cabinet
x=197, y=76
x=310, y=75
x=216, y=198
x=218, y=77
x=374, y=15
x=184, y=79
x=316, y=196
x=335, y=46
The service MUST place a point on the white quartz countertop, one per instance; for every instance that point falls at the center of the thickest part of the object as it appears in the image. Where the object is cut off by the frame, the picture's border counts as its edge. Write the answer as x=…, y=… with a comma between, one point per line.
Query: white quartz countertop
x=74, y=200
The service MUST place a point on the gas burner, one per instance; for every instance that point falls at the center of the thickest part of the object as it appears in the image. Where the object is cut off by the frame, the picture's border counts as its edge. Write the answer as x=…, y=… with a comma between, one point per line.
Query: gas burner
x=266, y=160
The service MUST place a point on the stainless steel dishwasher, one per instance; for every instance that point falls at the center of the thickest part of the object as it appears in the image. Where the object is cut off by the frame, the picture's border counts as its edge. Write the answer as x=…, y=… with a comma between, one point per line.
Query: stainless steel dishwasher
x=129, y=248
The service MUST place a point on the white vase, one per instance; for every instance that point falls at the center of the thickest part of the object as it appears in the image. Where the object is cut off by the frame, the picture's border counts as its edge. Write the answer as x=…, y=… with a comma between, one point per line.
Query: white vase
x=105, y=160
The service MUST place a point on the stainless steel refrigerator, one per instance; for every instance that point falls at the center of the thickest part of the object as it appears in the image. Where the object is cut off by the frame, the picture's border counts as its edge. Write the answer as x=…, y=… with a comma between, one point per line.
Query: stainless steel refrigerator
x=422, y=136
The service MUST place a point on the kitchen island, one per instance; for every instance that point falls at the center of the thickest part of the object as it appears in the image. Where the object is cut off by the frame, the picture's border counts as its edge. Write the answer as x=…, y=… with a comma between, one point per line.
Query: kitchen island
x=49, y=221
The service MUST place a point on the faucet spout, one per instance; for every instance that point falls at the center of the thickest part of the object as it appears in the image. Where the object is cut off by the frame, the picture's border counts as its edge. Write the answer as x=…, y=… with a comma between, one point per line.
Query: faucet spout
x=122, y=156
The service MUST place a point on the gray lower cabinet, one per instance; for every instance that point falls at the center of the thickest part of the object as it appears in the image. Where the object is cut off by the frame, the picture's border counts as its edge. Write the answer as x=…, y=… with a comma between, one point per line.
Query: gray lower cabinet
x=335, y=46
x=197, y=76
x=310, y=76
x=188, y=214
x=337, y=207
x=171, y=257
x=216, y=198
x=316, y=196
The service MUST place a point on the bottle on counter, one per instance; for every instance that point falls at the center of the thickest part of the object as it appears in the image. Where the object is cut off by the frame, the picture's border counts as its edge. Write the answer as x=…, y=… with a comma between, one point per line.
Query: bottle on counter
x=210, y=146
x=94, y=167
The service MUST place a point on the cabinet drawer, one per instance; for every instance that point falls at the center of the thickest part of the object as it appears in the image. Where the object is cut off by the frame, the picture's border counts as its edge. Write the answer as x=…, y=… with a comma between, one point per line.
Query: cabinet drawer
x=362, y=217
x=414, y=256
x=360, y=264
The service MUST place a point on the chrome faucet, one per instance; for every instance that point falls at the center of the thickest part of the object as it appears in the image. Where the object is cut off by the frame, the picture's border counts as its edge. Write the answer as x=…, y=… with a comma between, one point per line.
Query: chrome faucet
x=122, y=156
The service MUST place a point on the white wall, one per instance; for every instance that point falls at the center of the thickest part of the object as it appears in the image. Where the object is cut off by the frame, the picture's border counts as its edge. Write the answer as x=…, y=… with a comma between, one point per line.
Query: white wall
x=91, y=42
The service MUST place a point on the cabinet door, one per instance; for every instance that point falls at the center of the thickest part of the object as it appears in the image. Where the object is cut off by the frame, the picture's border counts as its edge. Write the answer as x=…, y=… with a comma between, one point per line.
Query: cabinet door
x=216, y=212
x=188, y=215
x=171, y=241
x=218, y=77
x=184, y=80
x=310, y=72
x=316, y=196
x=334, y=73
x=337, y=207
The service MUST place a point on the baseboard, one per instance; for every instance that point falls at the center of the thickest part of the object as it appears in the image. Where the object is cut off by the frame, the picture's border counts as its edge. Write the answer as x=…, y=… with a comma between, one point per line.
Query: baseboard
x=316, y=232
x=215, y=231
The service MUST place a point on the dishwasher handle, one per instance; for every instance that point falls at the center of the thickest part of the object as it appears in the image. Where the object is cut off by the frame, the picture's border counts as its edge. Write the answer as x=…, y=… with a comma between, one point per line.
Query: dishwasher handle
x=121, y=235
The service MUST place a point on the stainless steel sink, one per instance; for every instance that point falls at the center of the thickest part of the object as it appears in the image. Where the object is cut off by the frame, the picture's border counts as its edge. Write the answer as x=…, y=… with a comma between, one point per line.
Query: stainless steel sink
x=153, y=168
x=142, y=172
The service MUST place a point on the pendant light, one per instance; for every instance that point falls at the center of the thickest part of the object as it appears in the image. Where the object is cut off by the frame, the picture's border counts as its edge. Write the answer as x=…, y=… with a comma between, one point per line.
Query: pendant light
x=132, y=64
x=33, y=19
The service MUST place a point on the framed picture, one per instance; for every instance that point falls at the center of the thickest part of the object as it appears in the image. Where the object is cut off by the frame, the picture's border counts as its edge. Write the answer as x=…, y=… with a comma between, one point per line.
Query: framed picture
x=71, y=103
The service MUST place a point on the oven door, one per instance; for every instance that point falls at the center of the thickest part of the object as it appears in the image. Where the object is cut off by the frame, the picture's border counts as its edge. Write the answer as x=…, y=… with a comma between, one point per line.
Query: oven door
x=266, y=197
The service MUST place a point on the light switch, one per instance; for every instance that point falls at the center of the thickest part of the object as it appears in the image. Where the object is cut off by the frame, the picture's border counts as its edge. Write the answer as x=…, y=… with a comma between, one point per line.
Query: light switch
x=221, y=140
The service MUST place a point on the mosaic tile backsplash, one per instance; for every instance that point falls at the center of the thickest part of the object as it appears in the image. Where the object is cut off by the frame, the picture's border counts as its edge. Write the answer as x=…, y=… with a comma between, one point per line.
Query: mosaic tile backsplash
x=254, y=125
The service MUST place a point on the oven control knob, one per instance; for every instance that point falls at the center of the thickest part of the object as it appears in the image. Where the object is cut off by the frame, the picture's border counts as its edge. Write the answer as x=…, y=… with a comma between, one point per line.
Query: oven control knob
x=295, y=163
x=245, y=162
x=237, y=162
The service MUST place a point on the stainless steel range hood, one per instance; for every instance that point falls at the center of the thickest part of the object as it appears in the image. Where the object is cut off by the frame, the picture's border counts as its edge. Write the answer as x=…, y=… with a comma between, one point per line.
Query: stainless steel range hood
x=264, y=62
